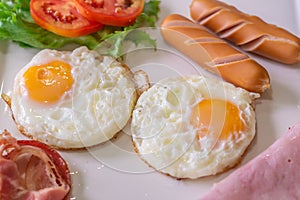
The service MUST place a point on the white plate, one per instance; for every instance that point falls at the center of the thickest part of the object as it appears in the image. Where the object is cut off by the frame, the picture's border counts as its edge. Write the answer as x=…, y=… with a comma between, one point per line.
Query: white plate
x=113, y=171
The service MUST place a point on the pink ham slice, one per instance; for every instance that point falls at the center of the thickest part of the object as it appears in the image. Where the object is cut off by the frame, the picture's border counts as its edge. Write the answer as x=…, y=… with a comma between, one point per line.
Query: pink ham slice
x=273, y=175
x=27, y=173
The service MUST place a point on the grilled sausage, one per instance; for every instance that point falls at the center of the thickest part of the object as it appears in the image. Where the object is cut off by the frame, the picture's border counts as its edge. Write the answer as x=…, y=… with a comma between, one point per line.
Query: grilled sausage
x=214, y=54
x=249, y=32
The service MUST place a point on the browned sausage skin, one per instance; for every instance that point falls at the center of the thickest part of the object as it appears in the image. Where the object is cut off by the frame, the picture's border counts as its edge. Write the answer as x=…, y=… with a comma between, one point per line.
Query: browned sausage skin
x=214, y=54
x=249, y=32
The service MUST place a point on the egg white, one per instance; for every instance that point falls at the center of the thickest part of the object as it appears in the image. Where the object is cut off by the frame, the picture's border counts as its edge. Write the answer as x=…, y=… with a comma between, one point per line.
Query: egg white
x=165, y=139
x=93, y=111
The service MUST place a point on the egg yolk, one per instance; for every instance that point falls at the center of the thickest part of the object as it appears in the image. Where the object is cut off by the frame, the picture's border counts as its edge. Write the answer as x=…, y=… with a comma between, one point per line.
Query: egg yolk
x=218, y=117
x=47, y=83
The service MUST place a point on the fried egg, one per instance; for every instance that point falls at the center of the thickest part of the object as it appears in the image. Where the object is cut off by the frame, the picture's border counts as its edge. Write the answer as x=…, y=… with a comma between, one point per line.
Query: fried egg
x=191, y=127
x=72, y=99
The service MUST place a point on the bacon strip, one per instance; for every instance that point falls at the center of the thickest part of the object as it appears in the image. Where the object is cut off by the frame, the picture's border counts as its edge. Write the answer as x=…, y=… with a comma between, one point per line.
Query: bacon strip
x=273, y=175
x=27, y=173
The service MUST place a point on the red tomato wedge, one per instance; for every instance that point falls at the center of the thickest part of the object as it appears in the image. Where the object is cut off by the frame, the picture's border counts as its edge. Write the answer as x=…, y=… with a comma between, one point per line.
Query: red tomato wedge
x=62, y=17
x=111, y=12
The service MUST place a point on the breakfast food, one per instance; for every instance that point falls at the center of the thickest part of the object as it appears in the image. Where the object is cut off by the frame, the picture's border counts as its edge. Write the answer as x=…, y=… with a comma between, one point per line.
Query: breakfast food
x=62, y=18
x=214, y=54
x=191, y=127
x=72, y=99
x=274, y=174
x=113, y=12
x=31, y=170
x=77, y=17
x=249, y=32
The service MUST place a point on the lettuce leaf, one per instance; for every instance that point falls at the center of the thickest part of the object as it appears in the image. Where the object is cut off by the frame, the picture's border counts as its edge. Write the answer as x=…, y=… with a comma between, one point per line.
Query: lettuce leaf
x=17, y=25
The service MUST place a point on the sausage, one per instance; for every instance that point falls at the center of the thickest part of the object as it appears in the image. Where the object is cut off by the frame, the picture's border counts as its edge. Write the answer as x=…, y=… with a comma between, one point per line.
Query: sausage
x=249, y=32
x=214, y=54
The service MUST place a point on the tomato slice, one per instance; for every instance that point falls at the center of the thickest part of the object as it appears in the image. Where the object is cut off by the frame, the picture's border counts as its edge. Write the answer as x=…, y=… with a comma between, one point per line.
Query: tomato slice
x=62, y=17
x=59, y=162
x=111, y=12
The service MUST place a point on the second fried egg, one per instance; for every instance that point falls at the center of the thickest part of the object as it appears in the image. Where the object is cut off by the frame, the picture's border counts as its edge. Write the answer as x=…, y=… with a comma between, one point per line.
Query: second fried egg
x=190, y=127
x=72, y=99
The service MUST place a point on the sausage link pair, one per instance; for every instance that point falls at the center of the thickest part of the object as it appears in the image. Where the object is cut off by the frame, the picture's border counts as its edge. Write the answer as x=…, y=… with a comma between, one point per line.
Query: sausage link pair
x=249, y=32
x=214, y=54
